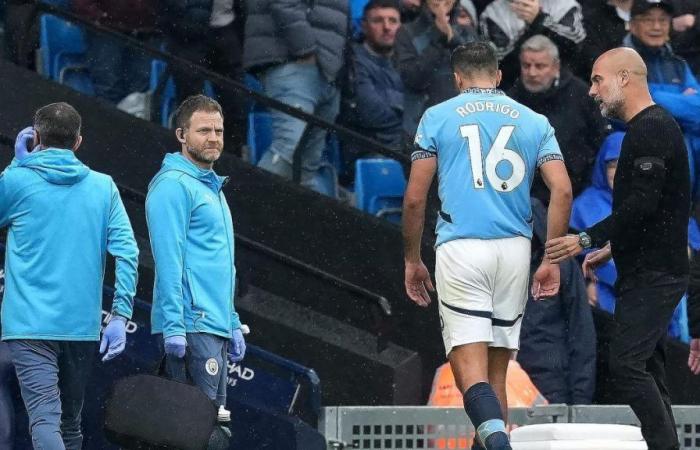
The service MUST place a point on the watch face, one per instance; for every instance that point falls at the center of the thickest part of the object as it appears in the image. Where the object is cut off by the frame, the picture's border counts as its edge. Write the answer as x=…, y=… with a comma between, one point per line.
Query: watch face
x=585, y=240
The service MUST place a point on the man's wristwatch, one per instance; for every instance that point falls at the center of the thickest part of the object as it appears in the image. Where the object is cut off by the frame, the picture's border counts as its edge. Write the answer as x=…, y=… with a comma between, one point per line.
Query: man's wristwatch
x=584, y=240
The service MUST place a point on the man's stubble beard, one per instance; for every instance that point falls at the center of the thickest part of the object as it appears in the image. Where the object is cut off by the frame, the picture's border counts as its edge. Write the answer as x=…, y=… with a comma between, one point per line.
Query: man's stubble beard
x=613, y=110
x=199, y=156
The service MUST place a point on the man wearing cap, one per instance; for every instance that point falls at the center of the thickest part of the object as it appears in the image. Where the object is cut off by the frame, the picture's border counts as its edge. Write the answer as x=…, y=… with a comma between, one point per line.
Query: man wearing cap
x=671, y=81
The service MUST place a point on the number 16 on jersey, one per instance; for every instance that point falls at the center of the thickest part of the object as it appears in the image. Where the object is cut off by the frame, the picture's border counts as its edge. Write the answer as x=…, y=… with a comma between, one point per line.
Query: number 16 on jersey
x=496, y=154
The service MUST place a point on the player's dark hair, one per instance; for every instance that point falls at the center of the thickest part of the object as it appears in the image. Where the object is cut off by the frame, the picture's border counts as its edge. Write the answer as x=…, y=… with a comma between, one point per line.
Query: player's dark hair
x=191, y=105
x=475, y=57
x=58, y=125
x=374, y=4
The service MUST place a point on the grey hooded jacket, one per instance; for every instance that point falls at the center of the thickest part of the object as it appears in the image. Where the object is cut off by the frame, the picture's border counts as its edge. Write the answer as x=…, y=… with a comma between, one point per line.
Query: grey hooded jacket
x=281, y=31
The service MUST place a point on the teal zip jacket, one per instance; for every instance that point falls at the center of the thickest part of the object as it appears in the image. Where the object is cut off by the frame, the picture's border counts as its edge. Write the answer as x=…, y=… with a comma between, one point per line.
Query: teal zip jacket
x=191, y=231
x=62, y=219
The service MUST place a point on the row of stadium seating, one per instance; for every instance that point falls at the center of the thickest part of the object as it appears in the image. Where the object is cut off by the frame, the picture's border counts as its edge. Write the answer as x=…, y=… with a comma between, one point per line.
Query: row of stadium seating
x=379, y=183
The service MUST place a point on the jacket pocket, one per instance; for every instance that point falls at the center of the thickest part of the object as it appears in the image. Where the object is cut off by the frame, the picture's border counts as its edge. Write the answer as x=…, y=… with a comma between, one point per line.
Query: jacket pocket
x=192, y=290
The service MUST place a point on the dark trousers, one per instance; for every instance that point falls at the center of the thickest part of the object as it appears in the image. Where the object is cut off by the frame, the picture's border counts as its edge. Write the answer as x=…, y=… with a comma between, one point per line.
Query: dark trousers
x=116, y=69
x=7, y=407
x=206, y=362
x=645, y=305
x=52, y=377
x=222, y=52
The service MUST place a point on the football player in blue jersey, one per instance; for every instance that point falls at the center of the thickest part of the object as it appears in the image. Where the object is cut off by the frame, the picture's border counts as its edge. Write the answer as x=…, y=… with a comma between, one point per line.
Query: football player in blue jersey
x=485, y=148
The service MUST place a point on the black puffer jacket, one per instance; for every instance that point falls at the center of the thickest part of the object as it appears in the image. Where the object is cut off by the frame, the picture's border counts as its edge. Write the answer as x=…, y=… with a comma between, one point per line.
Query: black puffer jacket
x=280, y=31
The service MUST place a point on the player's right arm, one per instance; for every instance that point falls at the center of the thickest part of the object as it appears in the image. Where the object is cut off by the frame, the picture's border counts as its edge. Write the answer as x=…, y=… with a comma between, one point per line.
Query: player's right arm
x=168, y=207
x=417, y=277
x=423, y=168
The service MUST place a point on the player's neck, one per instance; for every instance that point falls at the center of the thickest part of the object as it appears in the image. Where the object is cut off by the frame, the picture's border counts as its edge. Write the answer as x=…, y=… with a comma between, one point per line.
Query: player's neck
x=486, y=84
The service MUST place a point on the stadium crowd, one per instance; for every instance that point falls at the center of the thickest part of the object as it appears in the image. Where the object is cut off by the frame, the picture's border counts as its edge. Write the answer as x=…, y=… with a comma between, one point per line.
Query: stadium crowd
x=374, y=66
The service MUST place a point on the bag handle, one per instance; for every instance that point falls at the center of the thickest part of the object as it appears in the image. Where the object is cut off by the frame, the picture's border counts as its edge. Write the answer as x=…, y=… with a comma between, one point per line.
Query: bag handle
x=161, y=372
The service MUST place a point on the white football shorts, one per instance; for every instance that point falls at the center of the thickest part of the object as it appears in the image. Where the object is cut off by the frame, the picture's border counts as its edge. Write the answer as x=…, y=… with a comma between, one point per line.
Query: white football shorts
x=482, y=289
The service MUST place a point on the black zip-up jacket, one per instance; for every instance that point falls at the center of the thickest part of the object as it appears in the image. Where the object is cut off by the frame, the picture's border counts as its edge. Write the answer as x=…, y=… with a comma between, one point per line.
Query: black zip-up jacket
x=648, y=227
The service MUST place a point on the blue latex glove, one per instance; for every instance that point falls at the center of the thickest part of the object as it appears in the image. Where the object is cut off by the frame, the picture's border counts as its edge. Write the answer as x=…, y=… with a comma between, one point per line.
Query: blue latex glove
x=236, y=347
x=175, y=346
x=113, y=338
x=24, y=143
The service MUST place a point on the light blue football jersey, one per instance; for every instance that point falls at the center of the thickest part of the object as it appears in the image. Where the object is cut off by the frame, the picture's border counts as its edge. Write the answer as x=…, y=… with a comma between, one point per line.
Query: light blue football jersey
x=488, y=147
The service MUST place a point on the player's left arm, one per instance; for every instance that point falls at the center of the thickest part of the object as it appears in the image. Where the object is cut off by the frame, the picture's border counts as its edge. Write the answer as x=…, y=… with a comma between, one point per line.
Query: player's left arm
x=546, y=280
x=417, y=277
x=560, y=197
x=551, y=165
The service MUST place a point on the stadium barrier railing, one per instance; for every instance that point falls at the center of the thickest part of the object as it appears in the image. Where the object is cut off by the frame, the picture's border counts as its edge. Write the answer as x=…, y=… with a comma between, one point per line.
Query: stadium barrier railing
x=427, y=427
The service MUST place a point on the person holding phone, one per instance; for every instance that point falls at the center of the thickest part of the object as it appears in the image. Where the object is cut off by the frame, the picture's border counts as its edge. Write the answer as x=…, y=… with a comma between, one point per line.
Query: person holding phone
x=62, y=220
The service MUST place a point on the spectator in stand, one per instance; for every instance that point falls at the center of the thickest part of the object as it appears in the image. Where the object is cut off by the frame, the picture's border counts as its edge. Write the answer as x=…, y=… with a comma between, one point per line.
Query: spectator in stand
x=409, y=10
x=375, y=106
x=509, y=23
x=685, y=38
x=671, y=82
x=423, y=49
x=606, y=24
x=467, y=15
x=553, y=91
x=208, y=33
x=297, y=51
x=116, y=69
x=558, y=338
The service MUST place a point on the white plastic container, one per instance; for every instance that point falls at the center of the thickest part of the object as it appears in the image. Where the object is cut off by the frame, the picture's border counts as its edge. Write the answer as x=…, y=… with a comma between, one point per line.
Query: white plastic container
x=577, y=436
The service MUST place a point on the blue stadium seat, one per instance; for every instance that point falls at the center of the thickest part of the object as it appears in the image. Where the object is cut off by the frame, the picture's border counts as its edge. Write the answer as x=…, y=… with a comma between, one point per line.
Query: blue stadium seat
x=356, y=10
x=61, y=44
x=168, y=98
x=252, y=83
x=379, y=187
x=333, y=152
x=259, y=134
